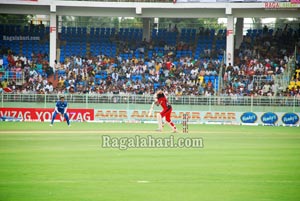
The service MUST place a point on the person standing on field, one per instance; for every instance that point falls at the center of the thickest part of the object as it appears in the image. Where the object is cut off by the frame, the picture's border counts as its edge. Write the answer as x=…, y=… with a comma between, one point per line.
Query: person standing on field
x=61, y=108
x=161, y=100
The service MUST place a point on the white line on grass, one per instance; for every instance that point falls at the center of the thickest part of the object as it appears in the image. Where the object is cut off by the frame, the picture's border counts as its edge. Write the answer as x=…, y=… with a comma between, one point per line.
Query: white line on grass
x=154, y=181
x=142, y=182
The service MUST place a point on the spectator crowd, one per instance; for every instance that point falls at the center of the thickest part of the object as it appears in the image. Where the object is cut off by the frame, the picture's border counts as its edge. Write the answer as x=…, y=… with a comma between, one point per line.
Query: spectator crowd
x=260, y=60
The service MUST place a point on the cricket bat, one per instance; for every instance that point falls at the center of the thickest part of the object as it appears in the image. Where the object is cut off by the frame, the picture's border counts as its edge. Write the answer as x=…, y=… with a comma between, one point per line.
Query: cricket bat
x=151, y=109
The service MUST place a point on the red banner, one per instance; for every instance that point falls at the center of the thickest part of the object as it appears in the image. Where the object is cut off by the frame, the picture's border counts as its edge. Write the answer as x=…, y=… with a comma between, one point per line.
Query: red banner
x=45, y=114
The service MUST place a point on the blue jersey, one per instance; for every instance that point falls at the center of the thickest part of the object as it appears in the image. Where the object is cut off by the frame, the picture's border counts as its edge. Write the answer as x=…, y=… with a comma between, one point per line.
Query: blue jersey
x=61, y=106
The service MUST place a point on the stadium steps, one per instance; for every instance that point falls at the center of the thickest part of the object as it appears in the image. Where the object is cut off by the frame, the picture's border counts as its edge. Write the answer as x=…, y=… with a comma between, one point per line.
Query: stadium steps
x=88, y=47
x=53, y=79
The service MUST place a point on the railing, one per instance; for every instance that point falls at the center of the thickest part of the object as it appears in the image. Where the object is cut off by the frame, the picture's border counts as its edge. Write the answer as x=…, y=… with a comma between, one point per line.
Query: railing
x=17, y=76
x=112, y=101
x=284, y=79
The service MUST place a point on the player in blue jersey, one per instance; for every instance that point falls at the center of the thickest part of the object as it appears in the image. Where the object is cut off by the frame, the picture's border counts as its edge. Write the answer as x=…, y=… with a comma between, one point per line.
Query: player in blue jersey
x=61, y=108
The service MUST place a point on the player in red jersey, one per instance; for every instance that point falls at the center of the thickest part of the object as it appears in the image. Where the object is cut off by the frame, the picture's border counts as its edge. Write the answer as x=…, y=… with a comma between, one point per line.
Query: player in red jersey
x=161, y=100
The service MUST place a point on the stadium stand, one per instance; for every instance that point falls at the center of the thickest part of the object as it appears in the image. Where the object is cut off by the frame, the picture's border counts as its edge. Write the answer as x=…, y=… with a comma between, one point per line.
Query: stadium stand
x=185, y=62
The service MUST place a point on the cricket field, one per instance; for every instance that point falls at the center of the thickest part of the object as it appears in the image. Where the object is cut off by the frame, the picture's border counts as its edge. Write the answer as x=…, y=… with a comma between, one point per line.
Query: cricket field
x=61, y=163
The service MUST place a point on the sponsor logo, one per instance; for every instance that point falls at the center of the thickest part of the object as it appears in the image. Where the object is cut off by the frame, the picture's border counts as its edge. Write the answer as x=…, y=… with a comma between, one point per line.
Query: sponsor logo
x=42, y=114
x=269, y=118
x=290, y=118
x=248, y=117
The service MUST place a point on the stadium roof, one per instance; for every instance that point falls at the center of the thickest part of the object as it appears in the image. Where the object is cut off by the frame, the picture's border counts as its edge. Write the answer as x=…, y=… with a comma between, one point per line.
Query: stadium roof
x=151, y=9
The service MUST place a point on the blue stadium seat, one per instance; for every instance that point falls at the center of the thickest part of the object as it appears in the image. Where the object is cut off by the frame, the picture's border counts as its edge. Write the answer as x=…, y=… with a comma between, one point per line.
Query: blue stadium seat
x=206, y=79
x=19, y=75
x=133, y=78
x=212, y=78
x=61, y=73
x=156, y=85
x=98, y=76
x=40, y=71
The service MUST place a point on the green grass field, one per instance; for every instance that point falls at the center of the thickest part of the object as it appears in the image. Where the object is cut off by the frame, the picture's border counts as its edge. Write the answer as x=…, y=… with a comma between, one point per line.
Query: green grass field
x=237, y=163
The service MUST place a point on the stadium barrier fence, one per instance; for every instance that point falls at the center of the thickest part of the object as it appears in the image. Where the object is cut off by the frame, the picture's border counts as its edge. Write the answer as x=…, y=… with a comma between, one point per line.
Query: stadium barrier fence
x=131, y=101
x=131, y=108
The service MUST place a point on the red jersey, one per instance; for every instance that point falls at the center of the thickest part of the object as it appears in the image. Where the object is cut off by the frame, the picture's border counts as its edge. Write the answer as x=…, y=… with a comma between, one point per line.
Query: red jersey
x=168, y=65
x=162, y=100
x=167, y=108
